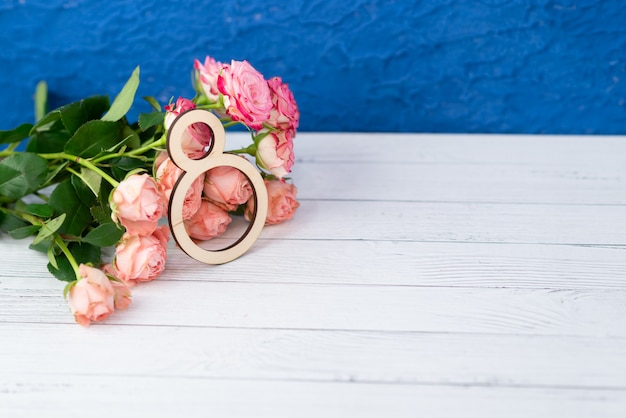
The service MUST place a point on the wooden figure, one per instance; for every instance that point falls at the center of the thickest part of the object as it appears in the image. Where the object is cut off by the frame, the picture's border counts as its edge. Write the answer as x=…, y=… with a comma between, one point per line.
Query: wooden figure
x=192, y=169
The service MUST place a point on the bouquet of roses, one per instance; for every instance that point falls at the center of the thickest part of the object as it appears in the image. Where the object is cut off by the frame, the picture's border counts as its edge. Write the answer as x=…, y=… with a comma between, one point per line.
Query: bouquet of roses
x=83, y=178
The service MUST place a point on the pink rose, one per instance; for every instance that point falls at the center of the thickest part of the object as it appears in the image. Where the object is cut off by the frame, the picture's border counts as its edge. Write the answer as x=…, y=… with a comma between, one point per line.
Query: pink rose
x=227, y=187
x=92, y=297
x=196, y=140
x=275, y=152
x=122, y=296
x=158, y=160
x=207, y=76
x=141, y=258
x=282, y=203
x=284, y=114
x=209, y=222
x=138, y=204
x=167, y=175
x=247, y=96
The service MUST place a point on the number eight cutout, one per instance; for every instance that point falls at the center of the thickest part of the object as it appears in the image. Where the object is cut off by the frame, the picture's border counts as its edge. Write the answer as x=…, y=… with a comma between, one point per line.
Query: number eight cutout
x=192, y=169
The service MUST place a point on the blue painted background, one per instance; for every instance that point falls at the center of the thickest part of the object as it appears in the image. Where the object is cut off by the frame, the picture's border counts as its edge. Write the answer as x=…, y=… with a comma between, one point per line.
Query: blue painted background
x=536, y=66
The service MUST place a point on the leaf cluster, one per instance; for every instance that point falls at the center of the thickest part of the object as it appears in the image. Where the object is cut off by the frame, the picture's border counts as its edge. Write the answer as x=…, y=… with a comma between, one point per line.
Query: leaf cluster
x=57, y=190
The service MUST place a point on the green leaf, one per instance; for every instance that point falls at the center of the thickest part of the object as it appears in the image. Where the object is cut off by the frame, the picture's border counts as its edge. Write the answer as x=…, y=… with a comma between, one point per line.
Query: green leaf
x=42, y=246
x=148, y=120
x=78, y=113
x=101, y=214
x=64, y=270
x=82, y=253
x=85, y=253
x=105, y=235
x=24, y=231
x=41, y=210
x=49, y=228
x=92, y=179
x=94, y=137
x=49, y=141
x=41, y=100
x=124, y=100
x=123, y=166
x=131, y=138
x=51, y=257
x=47, y=121
x=102, y=211
x=21, y=174
x=153, y=102
x=15, y=135
x=52, y=176
x=64, y=200
x=10, y=222
x=83, y=191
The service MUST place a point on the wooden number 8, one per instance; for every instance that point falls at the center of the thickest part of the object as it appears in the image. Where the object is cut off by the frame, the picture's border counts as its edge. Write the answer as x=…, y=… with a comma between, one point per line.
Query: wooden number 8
x=192, y=169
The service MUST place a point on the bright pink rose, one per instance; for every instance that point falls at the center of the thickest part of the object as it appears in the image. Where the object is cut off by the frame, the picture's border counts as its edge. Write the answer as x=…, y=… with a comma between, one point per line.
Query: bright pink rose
x=285, y=114
x=141, y=258
x=247, y=96
x=138, y=204
x=282, y=203
x=167, y=175
x=92, y=298
x=207, y=76
x=275, y=152
x=227, y=187
x=209, y=222
x=196, y=140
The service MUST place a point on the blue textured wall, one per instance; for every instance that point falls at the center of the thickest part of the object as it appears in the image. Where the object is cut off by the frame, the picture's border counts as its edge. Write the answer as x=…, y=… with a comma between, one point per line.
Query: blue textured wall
x=421, y=66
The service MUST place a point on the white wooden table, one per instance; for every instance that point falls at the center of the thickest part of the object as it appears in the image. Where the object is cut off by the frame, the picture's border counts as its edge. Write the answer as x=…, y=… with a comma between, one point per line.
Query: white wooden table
x=423, y=276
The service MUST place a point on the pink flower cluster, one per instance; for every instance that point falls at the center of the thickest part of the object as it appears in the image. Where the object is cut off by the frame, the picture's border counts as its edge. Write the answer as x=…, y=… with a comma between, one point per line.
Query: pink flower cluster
x=137, y=204
x=237, y=93
x=222, y=190
x=266, y=107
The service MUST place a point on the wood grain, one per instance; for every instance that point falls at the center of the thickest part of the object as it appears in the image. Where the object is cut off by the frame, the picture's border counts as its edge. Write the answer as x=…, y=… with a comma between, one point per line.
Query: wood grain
x=423, y=275
x=104, y=395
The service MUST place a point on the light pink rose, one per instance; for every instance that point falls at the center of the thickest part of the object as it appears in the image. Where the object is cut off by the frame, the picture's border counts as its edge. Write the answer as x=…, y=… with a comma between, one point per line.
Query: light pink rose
x=167, y=175
x=227, y=187
x=207, y=76
x=209, y=222
x=141, y=258
x=282, y=203
x=92, y=298
x=122, y=296
x=247, y=96
x=138, y=204
x=196, y=140
x=284, y=114
x=275, y=152
x=158, y=160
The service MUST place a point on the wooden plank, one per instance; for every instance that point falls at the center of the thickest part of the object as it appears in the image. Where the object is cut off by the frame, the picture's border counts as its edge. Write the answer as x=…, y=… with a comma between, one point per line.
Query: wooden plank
x=548, y=150
x=454, y=222
x=95, y=396
x=405, y=263
x=316, y=356
x=337, y=307
x=496, y=183
x=390, y=263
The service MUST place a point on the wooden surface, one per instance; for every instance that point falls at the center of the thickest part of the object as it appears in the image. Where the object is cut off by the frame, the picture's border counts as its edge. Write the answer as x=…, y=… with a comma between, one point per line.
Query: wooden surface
x=422, y=276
